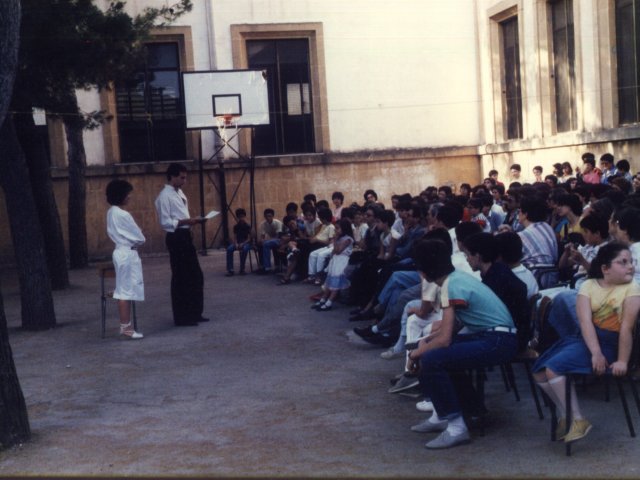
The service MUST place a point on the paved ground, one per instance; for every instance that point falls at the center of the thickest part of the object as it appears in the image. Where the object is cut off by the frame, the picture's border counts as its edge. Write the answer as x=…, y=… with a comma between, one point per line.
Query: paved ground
x=267, y=388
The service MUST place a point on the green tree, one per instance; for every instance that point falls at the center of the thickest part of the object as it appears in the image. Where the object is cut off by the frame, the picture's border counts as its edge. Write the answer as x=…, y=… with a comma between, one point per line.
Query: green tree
x=14, y=422
x=84, y=47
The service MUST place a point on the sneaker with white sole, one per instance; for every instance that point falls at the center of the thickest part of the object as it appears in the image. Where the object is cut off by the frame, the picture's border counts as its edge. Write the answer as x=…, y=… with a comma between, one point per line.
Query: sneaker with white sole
x=425, y=406
x=446, y=440
x=428, y=426
x=391, y=354
x=404, y=383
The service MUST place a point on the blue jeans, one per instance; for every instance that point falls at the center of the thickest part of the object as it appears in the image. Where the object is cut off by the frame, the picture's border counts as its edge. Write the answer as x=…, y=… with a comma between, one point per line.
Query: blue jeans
x=443, y=371
x=267, y=246
x=397, y=283
x=246, y=248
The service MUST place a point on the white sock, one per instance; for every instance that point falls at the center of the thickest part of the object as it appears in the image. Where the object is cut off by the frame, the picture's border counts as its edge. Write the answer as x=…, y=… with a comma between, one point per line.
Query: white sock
x=434, y=418
x=558, y=384
x=457, y=426
x=328, y=303
x=546, y=388
x=374, y=329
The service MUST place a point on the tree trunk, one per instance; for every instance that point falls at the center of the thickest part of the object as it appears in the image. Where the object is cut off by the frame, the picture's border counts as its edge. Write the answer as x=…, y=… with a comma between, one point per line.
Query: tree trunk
x=78, y=249
x=28, y=241
x=14, y=422
x=9, y=37
x=42, y=188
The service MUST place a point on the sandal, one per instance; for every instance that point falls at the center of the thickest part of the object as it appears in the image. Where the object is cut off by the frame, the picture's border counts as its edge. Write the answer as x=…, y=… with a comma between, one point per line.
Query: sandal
x=126, y=330
x=284, y=281
x=309, y=280
x=317, y=282
x=324, y=307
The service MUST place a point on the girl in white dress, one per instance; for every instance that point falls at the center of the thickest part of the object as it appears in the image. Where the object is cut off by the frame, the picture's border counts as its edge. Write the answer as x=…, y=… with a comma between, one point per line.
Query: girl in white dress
x=336, y=279
x=127, y=236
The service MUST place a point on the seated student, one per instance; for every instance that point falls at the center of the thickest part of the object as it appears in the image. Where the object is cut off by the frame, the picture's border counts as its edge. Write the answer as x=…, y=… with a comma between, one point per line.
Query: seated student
x=362, y=283
x=241, y=243
x=338, y=199
x=311, y=223
x=492, y=211
x=567, y=172
x=607, y=168
x=444, y=356
x=289, y=248
x=539, y=243
x=336, y=278
x=511, y=206
x=537, y=174
x=445, y=193
x=310, y=198
x=360, y=227
x=465, y=190
x=493, y=175
x=569, y=207
x=595, y=231
x=475, y=210
x=268, y=239
x=623, y=168
x=510, y=247
x=483, y=252
x=551, y=180
x=322, y=238
x=590, y=174
x=607, y=308
x=515, y=170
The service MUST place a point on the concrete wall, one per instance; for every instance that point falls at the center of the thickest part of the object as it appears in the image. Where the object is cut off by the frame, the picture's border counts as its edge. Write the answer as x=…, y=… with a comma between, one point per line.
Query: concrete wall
x=277, y=182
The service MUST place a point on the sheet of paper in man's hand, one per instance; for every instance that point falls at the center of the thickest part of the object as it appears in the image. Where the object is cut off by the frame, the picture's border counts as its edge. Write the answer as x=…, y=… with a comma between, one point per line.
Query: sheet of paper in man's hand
x=211, y=214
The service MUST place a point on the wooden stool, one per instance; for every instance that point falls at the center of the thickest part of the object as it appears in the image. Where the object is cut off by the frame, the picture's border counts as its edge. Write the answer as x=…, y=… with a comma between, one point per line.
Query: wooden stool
x=107, y=270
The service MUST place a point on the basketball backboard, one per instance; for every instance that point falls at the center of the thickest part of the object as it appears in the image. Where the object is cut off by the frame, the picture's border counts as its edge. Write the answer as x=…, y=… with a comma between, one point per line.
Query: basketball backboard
x=211, y=94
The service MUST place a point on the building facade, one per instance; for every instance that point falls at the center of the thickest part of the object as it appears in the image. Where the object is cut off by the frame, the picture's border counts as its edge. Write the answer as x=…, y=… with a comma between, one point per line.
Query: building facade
x=392, y=95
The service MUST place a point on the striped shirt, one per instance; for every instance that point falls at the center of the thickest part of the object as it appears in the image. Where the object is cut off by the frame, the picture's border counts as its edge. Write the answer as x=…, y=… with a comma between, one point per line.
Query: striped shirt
x=539, y=244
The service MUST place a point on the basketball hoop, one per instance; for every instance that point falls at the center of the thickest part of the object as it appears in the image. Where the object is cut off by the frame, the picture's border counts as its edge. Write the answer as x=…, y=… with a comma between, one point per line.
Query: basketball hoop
x=223, y=122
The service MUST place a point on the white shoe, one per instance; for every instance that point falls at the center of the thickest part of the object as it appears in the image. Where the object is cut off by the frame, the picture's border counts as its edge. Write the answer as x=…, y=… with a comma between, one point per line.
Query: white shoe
x=128, y=332
x=425, y=406
x=428, y=426
x=391, y=354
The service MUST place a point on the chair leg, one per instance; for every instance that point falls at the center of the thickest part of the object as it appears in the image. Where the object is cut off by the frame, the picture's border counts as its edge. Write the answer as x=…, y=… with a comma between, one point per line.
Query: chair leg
x=505, y=378
x=625, y=406
x=554, y=414
x=634, y=391
x=534, y=390
x=135, y=319
x=568, y=413
x=511, y=379
x=103, y=309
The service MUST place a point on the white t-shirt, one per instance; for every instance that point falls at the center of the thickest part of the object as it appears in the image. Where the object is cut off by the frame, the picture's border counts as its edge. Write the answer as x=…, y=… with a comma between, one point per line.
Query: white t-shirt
x=524, y=274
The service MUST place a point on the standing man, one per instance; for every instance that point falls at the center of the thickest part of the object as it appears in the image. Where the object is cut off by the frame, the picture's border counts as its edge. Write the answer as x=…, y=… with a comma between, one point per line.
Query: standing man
x=186, y=276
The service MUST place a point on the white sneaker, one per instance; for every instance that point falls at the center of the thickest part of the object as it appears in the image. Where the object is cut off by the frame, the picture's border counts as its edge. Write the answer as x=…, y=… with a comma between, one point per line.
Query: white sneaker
x=425, y=406
x=391, y=354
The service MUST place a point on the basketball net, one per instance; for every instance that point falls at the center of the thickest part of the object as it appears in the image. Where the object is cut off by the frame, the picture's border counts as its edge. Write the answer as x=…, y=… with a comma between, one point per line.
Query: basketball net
x=223, y=122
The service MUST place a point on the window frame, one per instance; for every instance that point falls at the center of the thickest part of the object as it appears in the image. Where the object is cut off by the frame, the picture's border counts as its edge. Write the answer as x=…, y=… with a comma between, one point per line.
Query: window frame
x=313, y=32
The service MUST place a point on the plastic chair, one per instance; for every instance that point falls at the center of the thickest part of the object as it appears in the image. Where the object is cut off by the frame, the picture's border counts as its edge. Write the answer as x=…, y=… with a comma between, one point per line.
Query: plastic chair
x=107, y=270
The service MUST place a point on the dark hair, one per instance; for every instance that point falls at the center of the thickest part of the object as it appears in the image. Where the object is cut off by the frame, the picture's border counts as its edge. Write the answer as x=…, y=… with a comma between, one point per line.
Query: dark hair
x=442, y=235
x=241, y=212
x=572, y=201
x=606, y=254
x=623, y=165
x=557, y=168
x=568, y=166
x=484, y=244
x=310, y=197
x=117, y=191
x=475, y=202
x=370, y=192
x=337, y=195
x=535, y=208
x=269, y=211
x=349, y=212
x=386, y=216
x=465, y=185
x=510, y=247
x=589, y=158
x=493, y=172
x=622, y=183
x=449, y=214
x=346, y=227
x=553, y=179
x=466, y=229
x=174, y=170
x=538, y=167
x=603, y=207
x=309, y=209
x=628, y=220
x=403, y=205
x=499, y=188
x=516, y=166
x=595, y=223
x=291, y=206
x=446, y=189
x=324, y=214
x=608, y=158
x=433, y=259
x=322, y=204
